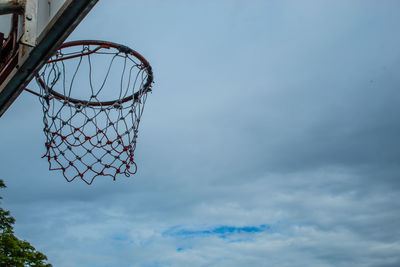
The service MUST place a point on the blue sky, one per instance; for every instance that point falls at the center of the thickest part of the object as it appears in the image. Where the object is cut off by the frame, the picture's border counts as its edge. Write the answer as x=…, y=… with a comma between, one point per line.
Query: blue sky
x=270, y=139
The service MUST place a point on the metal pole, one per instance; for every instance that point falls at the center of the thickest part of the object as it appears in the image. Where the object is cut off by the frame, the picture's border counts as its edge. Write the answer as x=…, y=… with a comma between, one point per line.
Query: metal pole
x=11, y=6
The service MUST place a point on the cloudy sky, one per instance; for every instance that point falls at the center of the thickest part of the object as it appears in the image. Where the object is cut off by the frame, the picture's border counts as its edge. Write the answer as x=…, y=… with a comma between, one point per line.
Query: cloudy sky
x=271, y=138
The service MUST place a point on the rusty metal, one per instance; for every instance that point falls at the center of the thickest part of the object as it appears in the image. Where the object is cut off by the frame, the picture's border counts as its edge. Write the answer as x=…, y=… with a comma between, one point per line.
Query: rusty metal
x=80, y=55
x=32, y=92
x=30, y=23
x=9, y=51
x=62, y=24
x=11, y=7
x=107, y=45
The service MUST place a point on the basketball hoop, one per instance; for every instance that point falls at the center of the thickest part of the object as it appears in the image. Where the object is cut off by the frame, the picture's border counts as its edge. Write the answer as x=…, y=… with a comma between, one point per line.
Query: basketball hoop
x=87, y=134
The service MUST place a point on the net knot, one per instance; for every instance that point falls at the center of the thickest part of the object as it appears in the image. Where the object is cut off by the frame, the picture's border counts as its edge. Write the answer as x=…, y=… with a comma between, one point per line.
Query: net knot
x=124, y=49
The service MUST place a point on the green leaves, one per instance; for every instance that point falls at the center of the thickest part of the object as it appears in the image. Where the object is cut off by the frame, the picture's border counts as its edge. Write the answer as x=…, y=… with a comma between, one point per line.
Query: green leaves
x=15, y=252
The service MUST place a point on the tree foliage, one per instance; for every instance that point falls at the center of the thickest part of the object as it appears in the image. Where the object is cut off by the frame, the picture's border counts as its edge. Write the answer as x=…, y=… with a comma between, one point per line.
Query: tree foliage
x=15, y=252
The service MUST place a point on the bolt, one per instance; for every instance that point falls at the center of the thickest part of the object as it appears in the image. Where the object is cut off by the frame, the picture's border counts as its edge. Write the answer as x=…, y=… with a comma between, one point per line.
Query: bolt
x=28, y=17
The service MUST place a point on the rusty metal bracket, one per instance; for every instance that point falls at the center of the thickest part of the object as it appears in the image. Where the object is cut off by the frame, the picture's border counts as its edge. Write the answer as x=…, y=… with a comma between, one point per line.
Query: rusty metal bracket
x=28, y=9
x=29, y=36
x=12, y=6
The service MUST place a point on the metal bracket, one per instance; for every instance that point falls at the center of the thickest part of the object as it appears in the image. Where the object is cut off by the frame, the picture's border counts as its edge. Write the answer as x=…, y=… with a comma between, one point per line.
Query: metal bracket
x=11, y=6
x=27, y=9
x=30, y=23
